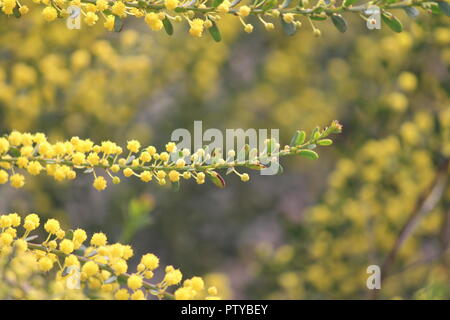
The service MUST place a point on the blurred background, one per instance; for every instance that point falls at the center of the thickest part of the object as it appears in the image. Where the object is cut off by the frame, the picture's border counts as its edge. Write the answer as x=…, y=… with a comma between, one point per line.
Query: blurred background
x=308, y=233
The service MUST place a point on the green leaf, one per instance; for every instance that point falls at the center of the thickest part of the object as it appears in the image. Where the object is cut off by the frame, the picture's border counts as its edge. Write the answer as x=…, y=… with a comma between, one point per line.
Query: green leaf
x=16, y=12
x=298, y=138
x=256, y=166
x=318, y=17
x=339, y=22
x=325, y=142
x=270, y=4
x=217, y=3
x=118, y=24
x=288, y=28
x=445, y=7
x=215, y=33
x=308, y=154
x=168, y=26
x=392, y=22
x=15, y=152
x=314, y=133
x=349, y=2
x=412, y=12
x=217, y=179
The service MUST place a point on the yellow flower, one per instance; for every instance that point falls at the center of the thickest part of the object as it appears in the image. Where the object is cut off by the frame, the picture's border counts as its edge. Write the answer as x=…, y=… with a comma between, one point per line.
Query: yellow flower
x=66, y=246
x=17, y=180
x=109, y=23
x=184, y=294
x=6, y=239
x=4, y=145
x=90, y=268
x=133, y=146
x=128, y=172
x=100, y=183
x=8, y=6
x=134, y=282
x=34, y=168
x=150, y=261
x=49, y=14
x=52, y=226
x=138, y=295
x=3, y=176
x=90, y=18
x=174, y=176
x=153, y=21
x=120, y=267
x=118, y=9
x=196, y=29
x=45, y=264
x=146, y=176
x=171, y=4
x=173, y=277
x=245, y=177
x=102, y=5
x=224, y=7
x=99, y=239
x=171, y=147
x=244, y=11
x=122, y=294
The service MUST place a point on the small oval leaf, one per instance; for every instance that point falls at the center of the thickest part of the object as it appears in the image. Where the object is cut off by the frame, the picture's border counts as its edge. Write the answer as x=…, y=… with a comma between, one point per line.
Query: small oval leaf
x=392, y=22
x=215, y=33
x=308, y=154
x=339, y=22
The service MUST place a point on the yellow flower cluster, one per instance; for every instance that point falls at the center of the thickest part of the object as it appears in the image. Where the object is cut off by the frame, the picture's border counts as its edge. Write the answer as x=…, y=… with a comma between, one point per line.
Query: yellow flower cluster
x=205, y=13
x=76, y=267
x=34, y=154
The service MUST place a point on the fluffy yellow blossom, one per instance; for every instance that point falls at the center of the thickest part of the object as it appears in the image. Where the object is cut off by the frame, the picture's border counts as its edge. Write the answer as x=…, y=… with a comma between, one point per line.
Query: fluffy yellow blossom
x=224, y=7
x=66, y=246
x=49, y=14
x=173, y=277
x=90, y=268
x=244, y=11
x=109, y=22
x=174, y=176
x=118, y=8
x=52, y=226
x=171, y=4
x=91, y=18
x=133, y=146
x=45, y=264
x=150, y=261
x=146, y=176
x=134, y=282
x=17, y=180
x=100, y=183
x=99, y=239
x=196, y=29
x=34, y=168
x=4, y=176
x=153, y=21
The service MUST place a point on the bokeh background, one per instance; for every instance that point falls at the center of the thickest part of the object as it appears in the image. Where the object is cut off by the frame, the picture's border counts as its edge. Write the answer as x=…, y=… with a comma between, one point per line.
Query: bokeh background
x=308, y=233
